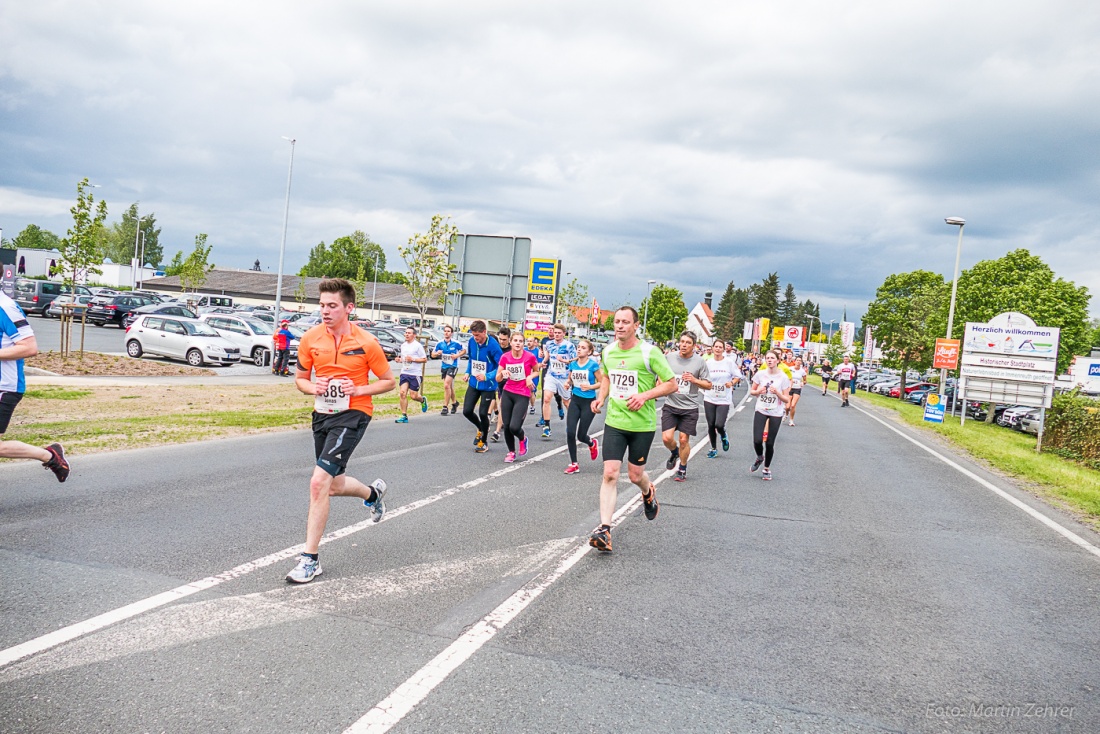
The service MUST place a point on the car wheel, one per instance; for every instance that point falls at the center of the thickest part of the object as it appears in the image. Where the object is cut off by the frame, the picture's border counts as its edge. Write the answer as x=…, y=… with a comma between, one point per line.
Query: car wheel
x=133, y=348
x=260, y=356
x=194, y=358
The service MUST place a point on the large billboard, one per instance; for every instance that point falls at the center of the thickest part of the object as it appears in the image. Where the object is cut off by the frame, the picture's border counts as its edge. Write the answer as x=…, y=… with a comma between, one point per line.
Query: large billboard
x=542, y=292
x=1009, y=359
x=492, y=272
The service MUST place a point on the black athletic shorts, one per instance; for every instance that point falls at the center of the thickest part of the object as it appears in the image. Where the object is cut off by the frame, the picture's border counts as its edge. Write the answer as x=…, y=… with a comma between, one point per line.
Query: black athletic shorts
x=683, y=420
x=618, y=443
x=842, y=384
x=796, y=391
x=8, y=401
x=335, y=436
x=450, y=371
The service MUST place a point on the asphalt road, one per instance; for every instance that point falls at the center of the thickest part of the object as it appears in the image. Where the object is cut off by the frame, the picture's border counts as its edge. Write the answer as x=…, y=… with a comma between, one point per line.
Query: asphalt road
x=870, y=587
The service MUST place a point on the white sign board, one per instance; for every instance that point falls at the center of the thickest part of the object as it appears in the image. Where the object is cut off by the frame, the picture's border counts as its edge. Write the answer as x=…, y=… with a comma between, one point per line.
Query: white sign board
x=1011, y=334
x=1009, y=359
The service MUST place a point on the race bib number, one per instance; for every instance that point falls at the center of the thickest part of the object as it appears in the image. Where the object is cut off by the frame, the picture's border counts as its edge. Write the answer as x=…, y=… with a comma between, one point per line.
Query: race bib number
x=516, y=373
x=796, y=382
x=768, y=401
x=332, y=400
x=624, y=383
x=558, y=366
x=684, y=385
x=579, y=377
x=449, y=360
x=479, y=369
x=720, y=390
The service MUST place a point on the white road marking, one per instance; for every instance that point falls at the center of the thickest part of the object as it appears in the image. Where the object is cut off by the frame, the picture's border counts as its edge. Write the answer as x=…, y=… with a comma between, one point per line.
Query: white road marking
x=186, y=624
x=73, y=631
x=388, y=712
x=1050, y=523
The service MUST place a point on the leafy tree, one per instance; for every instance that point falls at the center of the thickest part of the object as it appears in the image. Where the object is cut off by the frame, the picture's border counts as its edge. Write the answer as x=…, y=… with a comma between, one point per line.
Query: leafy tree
x=573, y=297
x=834, y=352
x=175, y=267
x=342, y=259
x=789, y=307
x=82, y=250
x=196, y=266
x=34, y=237
x=609, y=322
x=121, y=237
x=724, y=316
x=907, y=315
x=431, y=276
x=666, y=311
x=1094, y=332
x=300, y=292
x=1020, y=281
x=764, y=297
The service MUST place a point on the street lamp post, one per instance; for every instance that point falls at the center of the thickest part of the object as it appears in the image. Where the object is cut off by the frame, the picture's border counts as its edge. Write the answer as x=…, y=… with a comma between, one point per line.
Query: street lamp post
x=645, y=319
x=375, y=291
x=282, y=246
x=831, y=322
x=138, y=234
x=960, y=223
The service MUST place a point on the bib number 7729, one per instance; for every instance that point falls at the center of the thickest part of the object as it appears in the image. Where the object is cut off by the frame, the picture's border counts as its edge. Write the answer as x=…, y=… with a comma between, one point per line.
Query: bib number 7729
x=624, y=383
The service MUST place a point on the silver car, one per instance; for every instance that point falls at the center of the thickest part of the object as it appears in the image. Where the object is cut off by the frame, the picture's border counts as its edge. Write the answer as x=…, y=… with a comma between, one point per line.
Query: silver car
x=251, y=336
x=191, y=340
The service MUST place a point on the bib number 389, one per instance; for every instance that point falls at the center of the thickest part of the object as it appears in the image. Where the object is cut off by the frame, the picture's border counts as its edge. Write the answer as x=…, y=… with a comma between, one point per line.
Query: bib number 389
x=332, y=400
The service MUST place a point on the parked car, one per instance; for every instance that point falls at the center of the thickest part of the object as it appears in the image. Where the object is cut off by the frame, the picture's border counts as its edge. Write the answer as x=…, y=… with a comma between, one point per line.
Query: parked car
x=895, y=391
x=1010, y=417
x=168, y=309
x=34, y=296
x=113, y=309
x=191, y=340
x=390, y=341
x=251, y=336
x=101, y=292
x=1031, y=422
x=79, y=304
x=883, y=387
x=917, y=397
x=152, y=295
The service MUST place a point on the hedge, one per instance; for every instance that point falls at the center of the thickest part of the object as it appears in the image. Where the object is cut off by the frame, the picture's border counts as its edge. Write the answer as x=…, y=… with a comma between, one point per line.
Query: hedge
x=1073, y=428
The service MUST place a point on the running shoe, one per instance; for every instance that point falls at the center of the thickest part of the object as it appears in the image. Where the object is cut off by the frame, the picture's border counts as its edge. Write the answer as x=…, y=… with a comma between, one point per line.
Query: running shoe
x=424, y=405
x=790, y=422
x=600, y=539
x=57, y=463
x=541, y=423
x=650, y=505
x=594, y=449
x=561, y=414
x=712, y=453
x=445, y=410
x=402, y=419
x=477, y=438
x=523, y=446
x=510, y=457
x=756, y=464
x=766, y=475
x=454, y=409
x=304, y=572
x=681, y=475
x=671, y=463
x=495, y=438
x=546, y=432
x=725, y=443
x=480, y=447
x=378, y=504
x=572, y=469
x=531, y=410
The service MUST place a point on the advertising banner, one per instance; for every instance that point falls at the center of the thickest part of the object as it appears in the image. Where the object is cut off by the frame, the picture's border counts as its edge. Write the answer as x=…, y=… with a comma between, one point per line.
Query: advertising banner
x=542, y=294
x=868, y=344
x=934, y=408
x=1012, y=333
x=746, y=334
x=946, y=356
x=793, y=334
x=777, y=334
x=1010, y=358
x=847, y=333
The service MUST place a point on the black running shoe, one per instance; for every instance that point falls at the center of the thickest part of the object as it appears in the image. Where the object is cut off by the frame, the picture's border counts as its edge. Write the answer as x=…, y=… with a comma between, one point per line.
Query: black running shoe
x=756, y=464
x=57, y=463
x=680, y=476
x=600, y=539
x=671, y=463
x=650, y=505
x=495, y=437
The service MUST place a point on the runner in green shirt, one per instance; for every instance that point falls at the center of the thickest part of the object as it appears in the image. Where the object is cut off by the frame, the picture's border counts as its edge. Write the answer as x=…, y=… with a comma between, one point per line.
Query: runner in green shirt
x=628, y=386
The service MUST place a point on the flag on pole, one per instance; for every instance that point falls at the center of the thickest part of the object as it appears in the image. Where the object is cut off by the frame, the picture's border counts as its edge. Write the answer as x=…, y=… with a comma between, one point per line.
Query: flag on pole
x=595, y=312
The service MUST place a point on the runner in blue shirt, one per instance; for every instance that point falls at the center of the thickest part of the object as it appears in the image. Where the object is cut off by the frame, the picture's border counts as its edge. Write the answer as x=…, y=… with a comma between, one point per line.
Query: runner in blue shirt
x=559, y=353
x=583, y=382
x=448, y=351
x=481, y=372
x=17, y=343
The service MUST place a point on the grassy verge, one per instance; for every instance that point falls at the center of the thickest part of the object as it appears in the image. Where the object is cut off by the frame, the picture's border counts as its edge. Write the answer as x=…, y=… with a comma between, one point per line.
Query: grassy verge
x=1060, y=481
x=108, y=418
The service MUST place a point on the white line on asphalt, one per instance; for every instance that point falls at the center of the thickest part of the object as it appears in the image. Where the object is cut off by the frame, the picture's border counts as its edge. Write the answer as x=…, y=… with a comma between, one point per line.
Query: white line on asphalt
x=1053, y=525
x=388, y=712
x=73, y=631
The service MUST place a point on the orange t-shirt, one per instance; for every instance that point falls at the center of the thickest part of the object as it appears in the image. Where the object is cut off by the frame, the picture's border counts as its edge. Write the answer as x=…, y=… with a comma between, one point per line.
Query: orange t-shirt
x=358, y=355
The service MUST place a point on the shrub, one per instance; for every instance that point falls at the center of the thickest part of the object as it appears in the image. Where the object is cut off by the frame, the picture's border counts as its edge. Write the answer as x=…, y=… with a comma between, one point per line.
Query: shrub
x=1073, y=428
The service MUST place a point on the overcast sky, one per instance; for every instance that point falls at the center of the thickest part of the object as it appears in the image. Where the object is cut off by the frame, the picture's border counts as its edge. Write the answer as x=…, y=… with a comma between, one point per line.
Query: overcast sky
x=693, y=143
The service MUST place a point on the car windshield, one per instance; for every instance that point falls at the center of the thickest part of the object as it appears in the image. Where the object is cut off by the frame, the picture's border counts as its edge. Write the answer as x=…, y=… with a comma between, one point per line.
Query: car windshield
x=199, y=328
x=259, y=327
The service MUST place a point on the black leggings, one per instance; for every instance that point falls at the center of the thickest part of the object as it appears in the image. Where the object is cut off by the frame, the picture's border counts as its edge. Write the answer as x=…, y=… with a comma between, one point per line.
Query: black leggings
x=481, y=419
x=766, y=450
x=577, y=422
x=513, y=409
x=716, y=421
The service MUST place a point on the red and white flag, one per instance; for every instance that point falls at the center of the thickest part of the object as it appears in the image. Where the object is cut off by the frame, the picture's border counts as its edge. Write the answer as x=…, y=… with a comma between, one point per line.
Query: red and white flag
x=595, y=312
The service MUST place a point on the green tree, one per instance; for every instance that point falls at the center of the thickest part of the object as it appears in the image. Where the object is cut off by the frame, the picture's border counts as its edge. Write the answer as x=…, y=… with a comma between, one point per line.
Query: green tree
x=430, y=274
x=764, y=299
x=34, y=237
x=725, y=316
x=175, y=267
x=1022, y=282
x=300, y=293
x=1094, y=333
x=789, y=308
x=665, y=313
x=196, y=266
x=834, y=351
x=609, y=322
x=82, y=250
x=572, y=298
x=121, y=237
x=907, y=315
x=343, y=258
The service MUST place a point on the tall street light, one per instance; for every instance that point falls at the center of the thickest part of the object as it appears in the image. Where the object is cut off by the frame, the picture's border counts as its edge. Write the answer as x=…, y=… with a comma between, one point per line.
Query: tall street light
x=645, y=319
x=375, y=291
x=138, y=234
x=960, y=223
x=282, y=247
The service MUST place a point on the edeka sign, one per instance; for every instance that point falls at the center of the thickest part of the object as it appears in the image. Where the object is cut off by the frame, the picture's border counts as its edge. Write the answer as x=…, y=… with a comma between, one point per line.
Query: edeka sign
x=934, y=408
x=543, y=276
x=946, y=356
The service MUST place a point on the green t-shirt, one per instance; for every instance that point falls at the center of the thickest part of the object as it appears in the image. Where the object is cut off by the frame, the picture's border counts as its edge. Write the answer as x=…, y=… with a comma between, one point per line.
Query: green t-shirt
x=626, y=369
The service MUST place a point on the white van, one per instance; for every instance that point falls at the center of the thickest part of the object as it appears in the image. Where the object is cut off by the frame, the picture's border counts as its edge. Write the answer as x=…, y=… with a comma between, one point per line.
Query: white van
x=204, y=300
